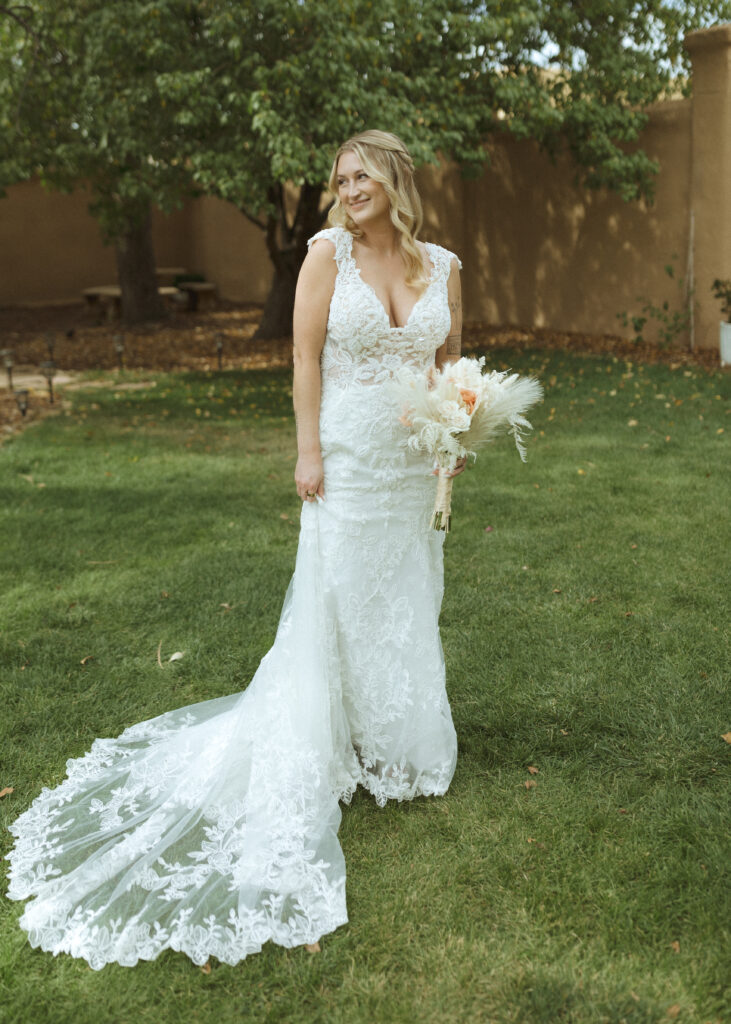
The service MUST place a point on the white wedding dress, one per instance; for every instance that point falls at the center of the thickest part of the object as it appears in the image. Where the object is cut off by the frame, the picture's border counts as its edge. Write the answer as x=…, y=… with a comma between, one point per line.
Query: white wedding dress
x=213, y=828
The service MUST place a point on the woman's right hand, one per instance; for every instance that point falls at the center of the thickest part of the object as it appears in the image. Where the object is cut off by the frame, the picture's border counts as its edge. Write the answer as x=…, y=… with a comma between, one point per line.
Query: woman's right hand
x=309, y=477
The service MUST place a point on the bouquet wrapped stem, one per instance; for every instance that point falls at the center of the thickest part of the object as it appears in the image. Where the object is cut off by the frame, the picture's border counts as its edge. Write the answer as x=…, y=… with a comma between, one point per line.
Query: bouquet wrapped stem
x=453, y=411
x=442, y=514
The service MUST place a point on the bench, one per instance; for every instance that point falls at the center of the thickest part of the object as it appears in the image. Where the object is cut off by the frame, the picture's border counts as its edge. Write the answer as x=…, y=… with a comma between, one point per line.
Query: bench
x=201, y=294
x=167, y=275
x=109, y=296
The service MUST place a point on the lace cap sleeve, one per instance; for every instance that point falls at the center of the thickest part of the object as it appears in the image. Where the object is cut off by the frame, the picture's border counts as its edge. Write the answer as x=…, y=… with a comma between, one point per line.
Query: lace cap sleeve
x=443, y=260
x=338, y=236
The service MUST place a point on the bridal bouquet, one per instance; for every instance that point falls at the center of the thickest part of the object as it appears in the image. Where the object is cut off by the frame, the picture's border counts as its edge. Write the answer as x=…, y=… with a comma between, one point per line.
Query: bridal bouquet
x=453, y=411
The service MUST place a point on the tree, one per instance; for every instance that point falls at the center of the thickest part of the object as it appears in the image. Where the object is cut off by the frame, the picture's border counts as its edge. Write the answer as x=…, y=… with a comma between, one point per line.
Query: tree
x=247, y=100
x=292, y=79
x=80, y=106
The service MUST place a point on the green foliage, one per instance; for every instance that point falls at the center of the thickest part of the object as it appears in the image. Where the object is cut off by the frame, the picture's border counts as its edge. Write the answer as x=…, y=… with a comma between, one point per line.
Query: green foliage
x=81, y=103
x=670, y=323
x=722, y=291
x=585, y=635
x=144, y=99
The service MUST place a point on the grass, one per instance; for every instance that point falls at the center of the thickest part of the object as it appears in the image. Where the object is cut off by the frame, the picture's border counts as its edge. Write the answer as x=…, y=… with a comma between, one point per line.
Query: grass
x=585, y=636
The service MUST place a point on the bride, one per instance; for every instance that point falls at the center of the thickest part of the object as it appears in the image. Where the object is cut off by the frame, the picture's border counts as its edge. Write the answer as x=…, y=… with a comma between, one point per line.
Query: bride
x=213, y=828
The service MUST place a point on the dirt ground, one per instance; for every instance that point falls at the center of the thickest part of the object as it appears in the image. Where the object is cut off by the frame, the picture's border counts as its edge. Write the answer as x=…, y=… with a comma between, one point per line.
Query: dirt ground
x=79, y=343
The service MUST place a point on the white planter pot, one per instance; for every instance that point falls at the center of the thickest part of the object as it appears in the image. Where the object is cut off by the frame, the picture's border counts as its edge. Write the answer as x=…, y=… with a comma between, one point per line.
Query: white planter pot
x=725, y=344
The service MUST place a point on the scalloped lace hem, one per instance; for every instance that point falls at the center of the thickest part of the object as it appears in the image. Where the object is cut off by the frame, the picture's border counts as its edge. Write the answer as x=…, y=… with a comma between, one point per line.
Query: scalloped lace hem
x=230, y=943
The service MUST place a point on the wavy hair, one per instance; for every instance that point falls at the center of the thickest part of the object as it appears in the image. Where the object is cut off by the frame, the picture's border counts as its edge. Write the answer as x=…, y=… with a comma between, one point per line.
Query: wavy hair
x=386, y=159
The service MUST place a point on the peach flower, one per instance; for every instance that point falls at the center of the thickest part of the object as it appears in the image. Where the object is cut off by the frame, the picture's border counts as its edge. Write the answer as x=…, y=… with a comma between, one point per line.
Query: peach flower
x=469, y=398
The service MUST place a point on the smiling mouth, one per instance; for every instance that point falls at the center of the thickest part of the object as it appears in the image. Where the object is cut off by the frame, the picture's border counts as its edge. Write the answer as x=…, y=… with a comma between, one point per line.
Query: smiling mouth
x=361, y=202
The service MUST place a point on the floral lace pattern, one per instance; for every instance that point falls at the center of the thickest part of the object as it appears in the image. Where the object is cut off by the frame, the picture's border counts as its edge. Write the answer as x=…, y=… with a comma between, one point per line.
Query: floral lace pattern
x=213, y=828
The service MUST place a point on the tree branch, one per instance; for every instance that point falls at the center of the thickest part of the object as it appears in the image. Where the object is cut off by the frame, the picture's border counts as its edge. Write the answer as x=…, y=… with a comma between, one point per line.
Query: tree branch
x=10, y=13
x=254, y=220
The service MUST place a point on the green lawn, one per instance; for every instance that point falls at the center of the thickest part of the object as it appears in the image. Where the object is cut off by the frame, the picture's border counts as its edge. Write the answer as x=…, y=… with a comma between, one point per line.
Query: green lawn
x=585, y=635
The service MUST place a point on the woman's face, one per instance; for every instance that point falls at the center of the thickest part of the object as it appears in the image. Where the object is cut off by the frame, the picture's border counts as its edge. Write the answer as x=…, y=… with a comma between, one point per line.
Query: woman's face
x=363, y=198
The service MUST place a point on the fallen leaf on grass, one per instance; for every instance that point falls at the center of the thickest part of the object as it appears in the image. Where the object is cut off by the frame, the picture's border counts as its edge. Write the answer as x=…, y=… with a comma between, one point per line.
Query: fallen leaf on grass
x=632, y=423
x=176, y=657
x=564, y=732
x=313, y=948
x=622, y=810
x=675, y=946
x=593, y=600
x=530, y=783
x=556, y=590
x=673, y=1011
x=532, y=769
x=6, y=791
x=164, y=593
x=726, y=736
x=628, y=615
x=87, y=658
x=206, y=968
x=226, y=606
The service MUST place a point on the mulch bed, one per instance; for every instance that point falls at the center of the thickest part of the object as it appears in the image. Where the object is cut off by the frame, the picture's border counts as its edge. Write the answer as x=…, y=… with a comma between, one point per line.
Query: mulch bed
x=186, y=341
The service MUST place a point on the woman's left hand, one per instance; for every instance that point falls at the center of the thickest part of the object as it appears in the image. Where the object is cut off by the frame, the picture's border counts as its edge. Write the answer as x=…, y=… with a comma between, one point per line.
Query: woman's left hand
x=459, y=468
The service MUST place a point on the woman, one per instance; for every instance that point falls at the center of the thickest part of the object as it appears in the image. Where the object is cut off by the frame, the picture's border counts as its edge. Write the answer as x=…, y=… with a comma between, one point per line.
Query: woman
x=213, y=828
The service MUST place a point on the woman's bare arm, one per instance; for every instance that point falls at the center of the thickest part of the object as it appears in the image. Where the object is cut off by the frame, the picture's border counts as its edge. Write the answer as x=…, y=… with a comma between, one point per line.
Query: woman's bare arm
x=451, y=350
x=311, y=306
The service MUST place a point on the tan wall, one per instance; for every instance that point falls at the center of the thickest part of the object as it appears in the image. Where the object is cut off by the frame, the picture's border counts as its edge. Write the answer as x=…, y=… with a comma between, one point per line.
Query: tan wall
x=52, y=248
x=537, y=250
x=229, y=250
x=710, y=52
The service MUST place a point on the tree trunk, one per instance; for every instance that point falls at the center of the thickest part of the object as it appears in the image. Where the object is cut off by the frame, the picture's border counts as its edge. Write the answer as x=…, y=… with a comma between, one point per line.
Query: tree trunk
x=287, y=246
x=136, y=268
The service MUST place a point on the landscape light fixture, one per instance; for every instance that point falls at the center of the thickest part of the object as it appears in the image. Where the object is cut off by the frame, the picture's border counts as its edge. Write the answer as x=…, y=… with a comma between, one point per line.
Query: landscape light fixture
x=50, y=340
x=7, y=354
x=21, y=397
x=119, y=349
x=48, y=369
x=219, y=348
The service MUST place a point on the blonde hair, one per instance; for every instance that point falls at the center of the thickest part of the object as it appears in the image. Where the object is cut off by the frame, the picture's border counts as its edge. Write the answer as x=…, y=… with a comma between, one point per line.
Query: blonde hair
x=385, y=159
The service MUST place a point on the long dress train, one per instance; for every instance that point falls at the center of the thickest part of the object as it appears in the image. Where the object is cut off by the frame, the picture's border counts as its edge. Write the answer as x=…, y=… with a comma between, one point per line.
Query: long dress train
x=213, y=828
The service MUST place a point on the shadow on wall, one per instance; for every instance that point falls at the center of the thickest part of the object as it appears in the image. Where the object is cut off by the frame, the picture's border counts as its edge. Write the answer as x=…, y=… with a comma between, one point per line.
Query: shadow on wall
x=544, y=252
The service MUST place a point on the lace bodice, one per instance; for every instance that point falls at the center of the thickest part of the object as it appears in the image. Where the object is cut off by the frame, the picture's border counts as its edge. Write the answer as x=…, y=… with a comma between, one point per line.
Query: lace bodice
x=360, y=344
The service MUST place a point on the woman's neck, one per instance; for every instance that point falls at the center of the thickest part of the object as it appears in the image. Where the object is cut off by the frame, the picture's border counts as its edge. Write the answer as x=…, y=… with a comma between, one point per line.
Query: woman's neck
x=381, y=238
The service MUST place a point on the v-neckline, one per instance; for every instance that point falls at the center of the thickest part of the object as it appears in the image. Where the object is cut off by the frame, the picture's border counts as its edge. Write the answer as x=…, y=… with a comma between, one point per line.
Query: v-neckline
x=374, y=293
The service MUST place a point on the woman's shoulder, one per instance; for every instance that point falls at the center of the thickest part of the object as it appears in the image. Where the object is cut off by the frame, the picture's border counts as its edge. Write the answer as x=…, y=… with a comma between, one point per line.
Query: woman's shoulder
x=443, y=258
x=337, y=235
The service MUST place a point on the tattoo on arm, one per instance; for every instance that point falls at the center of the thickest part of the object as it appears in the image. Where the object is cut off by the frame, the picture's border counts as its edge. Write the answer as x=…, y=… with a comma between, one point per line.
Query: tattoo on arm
x=455, y=305
x=453, y=345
